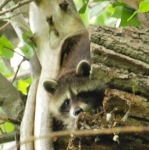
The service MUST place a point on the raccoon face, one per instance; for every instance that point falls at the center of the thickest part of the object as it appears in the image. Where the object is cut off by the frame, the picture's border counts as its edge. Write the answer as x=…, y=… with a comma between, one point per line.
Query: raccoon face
x=74, y=93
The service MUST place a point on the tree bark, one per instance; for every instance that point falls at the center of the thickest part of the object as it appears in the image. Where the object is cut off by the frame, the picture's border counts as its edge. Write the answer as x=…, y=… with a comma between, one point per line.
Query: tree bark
x=52, y=22
x=120, y=57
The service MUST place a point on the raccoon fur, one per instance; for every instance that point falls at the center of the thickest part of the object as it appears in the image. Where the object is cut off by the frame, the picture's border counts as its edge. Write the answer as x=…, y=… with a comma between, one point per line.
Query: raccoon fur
x=73, y=92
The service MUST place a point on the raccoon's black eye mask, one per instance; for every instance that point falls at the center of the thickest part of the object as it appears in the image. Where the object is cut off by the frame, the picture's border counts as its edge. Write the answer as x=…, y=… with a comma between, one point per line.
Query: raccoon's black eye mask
x=92, y=98
x=65, y=106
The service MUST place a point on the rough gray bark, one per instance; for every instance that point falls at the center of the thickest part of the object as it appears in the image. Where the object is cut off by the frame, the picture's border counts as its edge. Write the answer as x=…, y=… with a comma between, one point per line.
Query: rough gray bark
x=120, y=56
x=10, y=98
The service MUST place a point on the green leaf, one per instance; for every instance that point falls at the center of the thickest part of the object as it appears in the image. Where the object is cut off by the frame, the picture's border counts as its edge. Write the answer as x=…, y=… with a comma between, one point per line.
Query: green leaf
x=7, y=127
x=6, y=48
x=124, y=14
x=27, y=50
x=26, y=36
x=133, y=15
x=118, y=12
x=4, y=70
x=22, y=85
x=144, y=6
x=83, y=7
x=28, y=45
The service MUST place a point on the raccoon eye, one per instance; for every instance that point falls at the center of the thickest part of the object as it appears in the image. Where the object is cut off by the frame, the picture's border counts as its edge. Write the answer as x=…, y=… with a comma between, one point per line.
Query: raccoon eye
x=66, y=103
x=65, y=107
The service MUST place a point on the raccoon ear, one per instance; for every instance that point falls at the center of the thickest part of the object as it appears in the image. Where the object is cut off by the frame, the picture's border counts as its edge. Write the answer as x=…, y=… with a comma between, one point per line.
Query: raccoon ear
x=50, y=86
x=83, y=68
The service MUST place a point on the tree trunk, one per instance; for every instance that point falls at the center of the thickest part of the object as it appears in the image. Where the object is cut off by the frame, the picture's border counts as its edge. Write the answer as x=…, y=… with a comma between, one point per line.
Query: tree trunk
x=120, y=56
x=48, y=21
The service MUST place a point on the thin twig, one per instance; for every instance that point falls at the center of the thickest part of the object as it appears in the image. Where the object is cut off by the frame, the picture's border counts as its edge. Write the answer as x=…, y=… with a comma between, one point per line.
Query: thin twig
x=85, y=133
x=18, y=69
x=4, y=26
x=5, y=18
x=22, y=75
x=4, y=3
x=13, y=51
x=10, y=120
x=19, y=4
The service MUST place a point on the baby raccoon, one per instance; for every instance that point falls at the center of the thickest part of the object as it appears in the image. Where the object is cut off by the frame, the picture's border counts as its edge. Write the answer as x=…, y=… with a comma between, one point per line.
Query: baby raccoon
x=73, y=92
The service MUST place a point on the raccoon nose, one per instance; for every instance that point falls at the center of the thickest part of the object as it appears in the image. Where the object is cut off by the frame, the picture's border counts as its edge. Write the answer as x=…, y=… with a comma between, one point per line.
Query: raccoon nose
x=77, y=111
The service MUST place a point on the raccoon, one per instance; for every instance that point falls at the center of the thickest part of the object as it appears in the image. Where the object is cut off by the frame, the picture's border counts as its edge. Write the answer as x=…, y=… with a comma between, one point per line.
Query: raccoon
x=73, y=92
x=75, y=50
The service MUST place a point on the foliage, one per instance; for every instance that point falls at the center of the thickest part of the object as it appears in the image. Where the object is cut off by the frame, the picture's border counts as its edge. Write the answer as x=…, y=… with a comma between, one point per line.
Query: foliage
x=109, y=13
x=4, y=70
x=6, y=47
x=23, y=85
x=143, y=7
x=6, y=128
x=28, y=46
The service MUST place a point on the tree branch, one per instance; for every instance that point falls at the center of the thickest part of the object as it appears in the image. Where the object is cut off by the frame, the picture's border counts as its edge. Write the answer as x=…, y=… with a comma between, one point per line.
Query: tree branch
x=10, y=100
x=19, y=4
x=4, y=26
x=18, y=69
x=122, y=56
x=85, y=133
x=22, y=75
x=10, y=120
x=4, y=138
x=3, y=3
x=27, y=125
